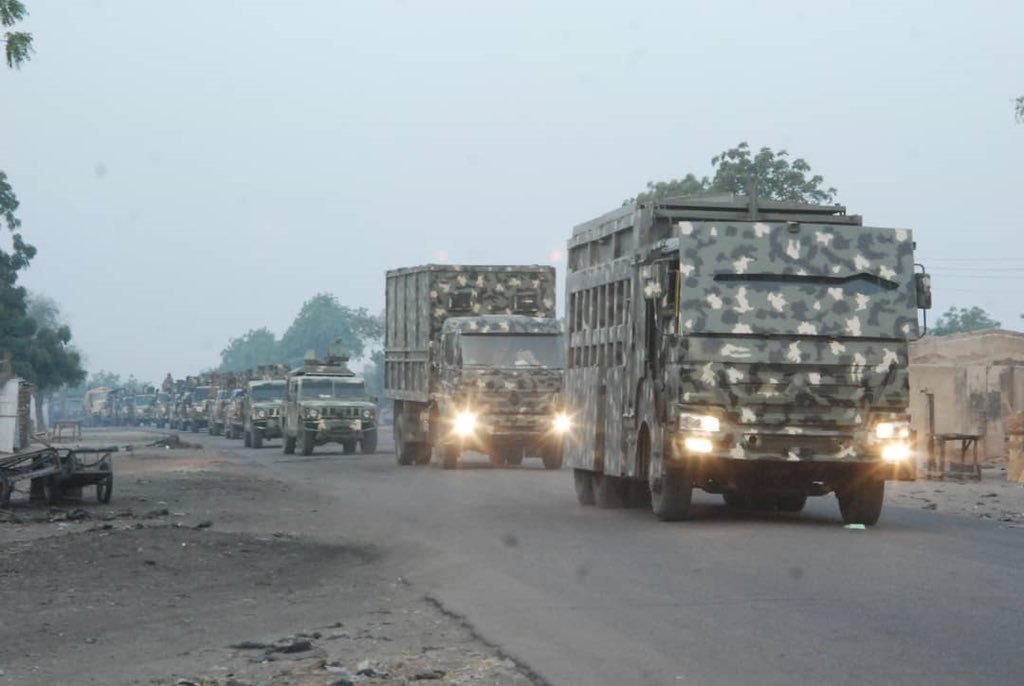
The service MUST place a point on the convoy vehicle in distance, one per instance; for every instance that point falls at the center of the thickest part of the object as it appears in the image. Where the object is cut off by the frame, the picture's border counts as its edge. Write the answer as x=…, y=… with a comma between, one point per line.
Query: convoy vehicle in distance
x=196, y=408
x=755, y=349
x=474, y=360
x=143, y=410
x=325, y=402
x=234, y=417
x=261, y=411
x=218, y=409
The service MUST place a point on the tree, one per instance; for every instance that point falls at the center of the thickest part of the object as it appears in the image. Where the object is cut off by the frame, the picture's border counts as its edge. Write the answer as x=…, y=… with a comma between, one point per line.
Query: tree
x=962, y=320
x=771, y=173
x=17, y=44
x=256, y=347
x=322, y=320
x=104, y=378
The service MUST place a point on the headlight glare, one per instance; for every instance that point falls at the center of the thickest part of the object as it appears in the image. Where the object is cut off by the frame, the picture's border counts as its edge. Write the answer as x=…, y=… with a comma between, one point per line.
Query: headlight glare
x=562, y=423
x=694, y=444
x=311, y=413
x=886, y=431
x=465, y=423
x=896, y=452
x=699, y=422
x=367, y=414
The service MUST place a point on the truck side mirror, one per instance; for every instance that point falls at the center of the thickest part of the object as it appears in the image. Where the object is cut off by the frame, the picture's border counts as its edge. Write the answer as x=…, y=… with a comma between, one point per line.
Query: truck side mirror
x=923, y=285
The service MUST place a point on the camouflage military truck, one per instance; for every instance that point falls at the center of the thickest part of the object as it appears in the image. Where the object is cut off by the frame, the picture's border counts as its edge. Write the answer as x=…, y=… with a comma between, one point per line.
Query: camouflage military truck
x=753, y=349
x=327, y=403
x=261, y=411
x=162, y=409
x=196, y=413
x=94, y=405
x=143, y=410
x=218, y=411
x=474, y=360
x=234, y=417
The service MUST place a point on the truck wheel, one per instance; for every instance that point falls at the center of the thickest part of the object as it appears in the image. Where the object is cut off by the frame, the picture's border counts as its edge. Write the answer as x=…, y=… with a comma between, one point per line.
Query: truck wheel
x=368, y=446
x=609, y=491
x=405, y=453
x=288, y=445
x=553, y=458
x=791, y=503
x=106, y=487
x=247, y=439
x=583, y=479
x=671, y=496
x=308, y=442
x=861, y=503
x=257, y=439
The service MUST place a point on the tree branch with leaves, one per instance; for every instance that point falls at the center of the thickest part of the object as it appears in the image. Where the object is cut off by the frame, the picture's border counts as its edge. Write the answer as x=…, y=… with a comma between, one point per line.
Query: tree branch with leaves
x=17, y=44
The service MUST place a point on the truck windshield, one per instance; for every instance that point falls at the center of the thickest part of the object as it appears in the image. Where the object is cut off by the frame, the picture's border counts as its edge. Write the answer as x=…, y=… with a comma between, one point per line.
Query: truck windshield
x=266, y=393
x=513, y=350
x=325, y=389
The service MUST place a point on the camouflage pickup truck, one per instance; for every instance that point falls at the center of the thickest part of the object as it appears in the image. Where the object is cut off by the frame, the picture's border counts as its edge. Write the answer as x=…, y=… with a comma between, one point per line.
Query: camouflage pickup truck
x=196, y=408
x=234, y=414
x=261, y=411
x=754, y=349
x=474, y=361
x=327, y=403
x=217, y=419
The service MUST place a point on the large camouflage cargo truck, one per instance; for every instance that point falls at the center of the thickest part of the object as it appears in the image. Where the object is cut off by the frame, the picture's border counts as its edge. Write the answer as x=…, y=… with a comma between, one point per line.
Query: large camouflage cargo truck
x=326, y=402
x=474, y=360
x=757, y=350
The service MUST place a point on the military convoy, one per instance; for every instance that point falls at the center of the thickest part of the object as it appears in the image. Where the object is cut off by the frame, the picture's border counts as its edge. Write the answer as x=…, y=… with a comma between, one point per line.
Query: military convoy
x=325, y=402
x=474, y=358
x=752, y=349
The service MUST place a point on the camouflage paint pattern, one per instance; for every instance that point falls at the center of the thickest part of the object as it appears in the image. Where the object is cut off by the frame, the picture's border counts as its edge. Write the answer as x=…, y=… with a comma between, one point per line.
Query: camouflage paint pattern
x=792, y=332
x=263, y=415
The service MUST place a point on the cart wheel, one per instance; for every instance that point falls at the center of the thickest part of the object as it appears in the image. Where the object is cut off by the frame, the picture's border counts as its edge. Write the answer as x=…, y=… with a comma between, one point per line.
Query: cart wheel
x=105, y=487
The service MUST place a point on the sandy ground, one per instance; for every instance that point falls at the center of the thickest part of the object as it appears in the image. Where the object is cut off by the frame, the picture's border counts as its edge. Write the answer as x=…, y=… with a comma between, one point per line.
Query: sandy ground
x=201, y=571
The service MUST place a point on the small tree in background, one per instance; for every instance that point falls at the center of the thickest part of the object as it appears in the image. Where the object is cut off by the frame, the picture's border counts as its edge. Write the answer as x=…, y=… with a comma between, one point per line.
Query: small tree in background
x=962, y=320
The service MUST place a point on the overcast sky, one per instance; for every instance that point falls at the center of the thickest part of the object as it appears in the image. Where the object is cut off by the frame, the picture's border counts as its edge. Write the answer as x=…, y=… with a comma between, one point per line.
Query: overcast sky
x=191, y=170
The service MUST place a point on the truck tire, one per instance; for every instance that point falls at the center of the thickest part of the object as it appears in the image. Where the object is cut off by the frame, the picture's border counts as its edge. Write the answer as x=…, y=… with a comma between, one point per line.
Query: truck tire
x=583, y=480
x=791, y=503
x=288, y=444
x=308, y=442
x=671, y=496
x=861, y=502
x=404, y=451
x=257, y=439
x=449, y=455
x=368, y=446
x=553, y=457
x=105, y=488
x=609, y=491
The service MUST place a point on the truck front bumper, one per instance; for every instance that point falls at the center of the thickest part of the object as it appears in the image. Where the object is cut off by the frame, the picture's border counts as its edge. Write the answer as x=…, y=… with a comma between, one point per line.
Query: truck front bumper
x=340, y=430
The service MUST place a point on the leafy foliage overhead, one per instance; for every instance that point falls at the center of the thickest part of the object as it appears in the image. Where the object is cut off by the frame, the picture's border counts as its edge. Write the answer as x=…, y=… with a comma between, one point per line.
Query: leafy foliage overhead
x=17, y=44
x=962, y=320
x=771, y=174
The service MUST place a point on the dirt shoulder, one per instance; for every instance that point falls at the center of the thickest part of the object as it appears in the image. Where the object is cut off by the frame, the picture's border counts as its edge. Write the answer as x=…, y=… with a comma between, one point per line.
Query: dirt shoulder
x=993, y=498
x=202, y=570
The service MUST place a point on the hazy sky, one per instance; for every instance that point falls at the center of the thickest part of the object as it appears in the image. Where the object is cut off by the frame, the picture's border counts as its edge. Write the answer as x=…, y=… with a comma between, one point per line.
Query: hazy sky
x=191, y=170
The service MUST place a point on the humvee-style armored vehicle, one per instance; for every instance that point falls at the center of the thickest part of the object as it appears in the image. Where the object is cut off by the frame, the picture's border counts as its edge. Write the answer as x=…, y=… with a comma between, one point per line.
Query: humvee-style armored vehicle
x=474, y=360
x=197, y=408
x=261, y=411
x=327, y=403
x=752, y=349
x=234, y=417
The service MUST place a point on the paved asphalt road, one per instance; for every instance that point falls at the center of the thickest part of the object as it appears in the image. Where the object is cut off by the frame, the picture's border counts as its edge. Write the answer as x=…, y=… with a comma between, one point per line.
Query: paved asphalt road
x=588, y=596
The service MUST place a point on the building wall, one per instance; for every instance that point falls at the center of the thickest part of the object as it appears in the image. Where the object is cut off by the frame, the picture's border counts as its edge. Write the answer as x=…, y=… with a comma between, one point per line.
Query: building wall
x=977, y=380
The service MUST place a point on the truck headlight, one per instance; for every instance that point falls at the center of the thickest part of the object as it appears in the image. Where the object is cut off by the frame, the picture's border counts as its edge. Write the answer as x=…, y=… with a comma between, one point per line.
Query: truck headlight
x=311, y=413
x=561, y=423
x=896, y=452
x=699, y=422
x=698, y=445
x=367, y=414
x=896, y=430
x=261, y=414
x=465, y=423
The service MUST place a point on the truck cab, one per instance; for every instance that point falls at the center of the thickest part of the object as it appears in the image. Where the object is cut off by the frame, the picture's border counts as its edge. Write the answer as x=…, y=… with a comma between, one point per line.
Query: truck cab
x=500, y=389
x=328, y=403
